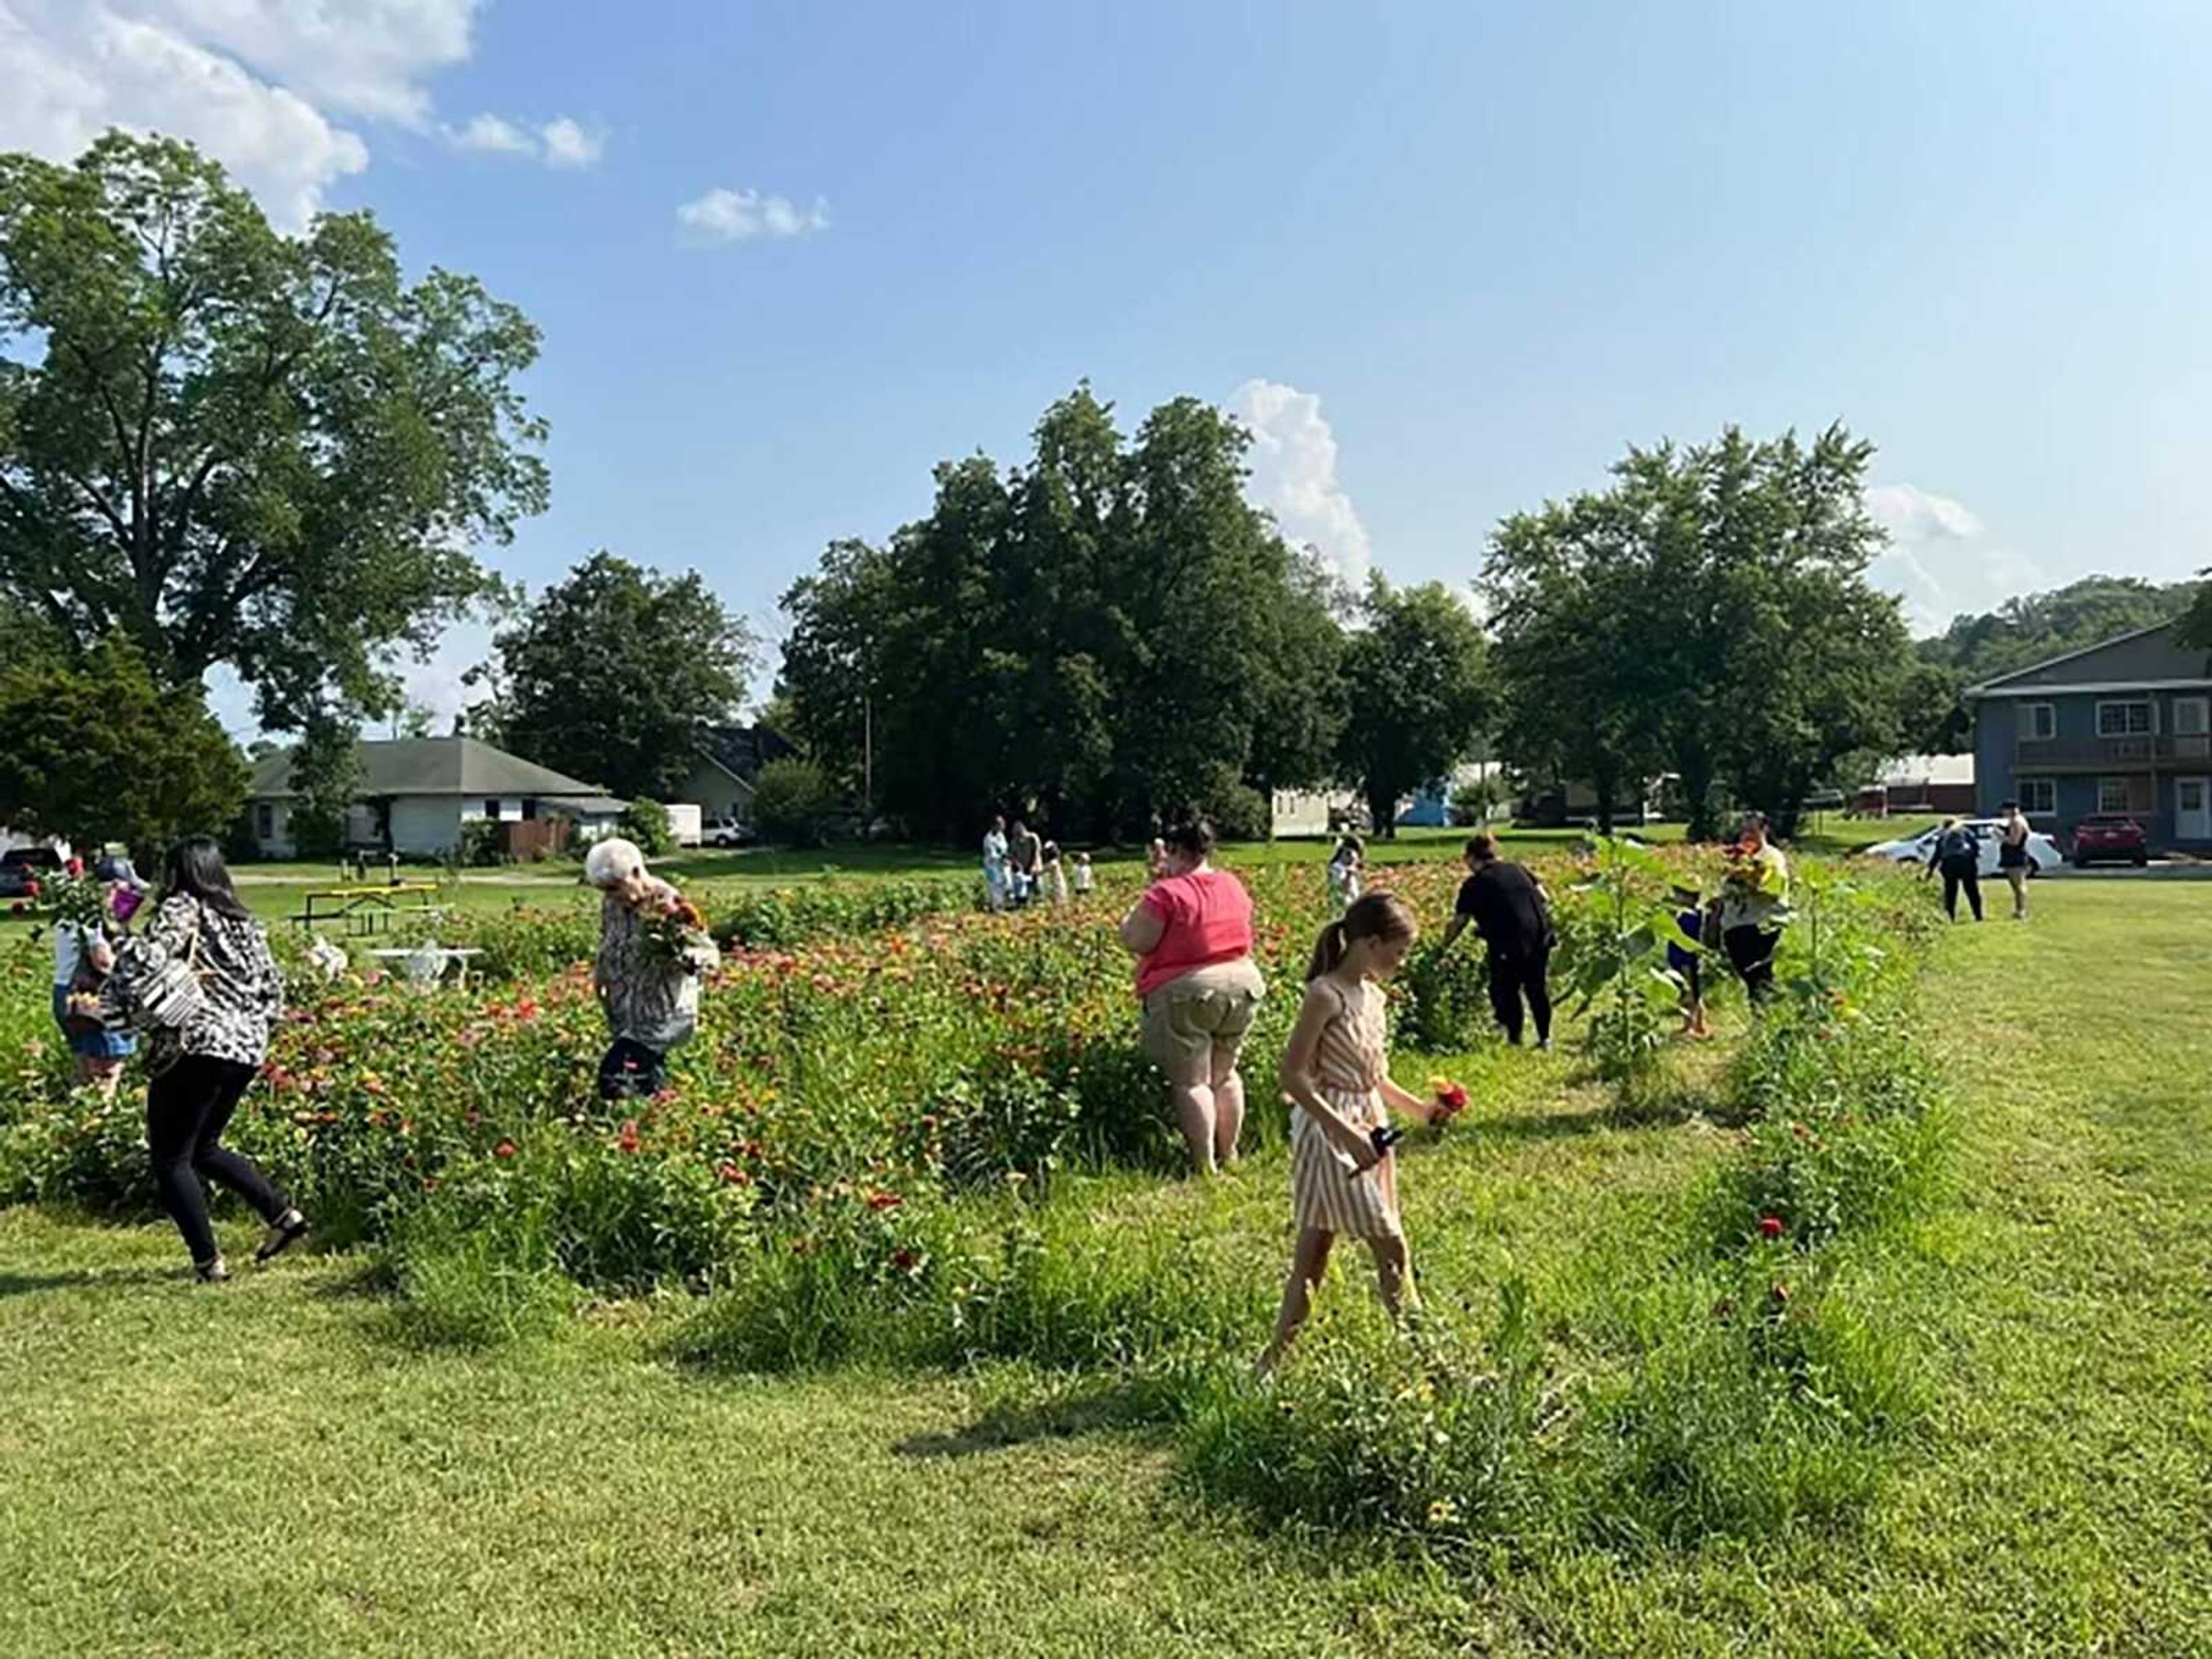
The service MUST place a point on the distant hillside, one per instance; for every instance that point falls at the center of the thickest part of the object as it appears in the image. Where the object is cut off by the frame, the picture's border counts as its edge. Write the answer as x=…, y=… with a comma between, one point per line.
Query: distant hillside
x=2038, y=626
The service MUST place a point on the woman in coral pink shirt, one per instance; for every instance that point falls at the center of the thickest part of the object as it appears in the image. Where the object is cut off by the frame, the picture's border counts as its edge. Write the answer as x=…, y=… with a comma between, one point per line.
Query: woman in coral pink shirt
x=1192, y=934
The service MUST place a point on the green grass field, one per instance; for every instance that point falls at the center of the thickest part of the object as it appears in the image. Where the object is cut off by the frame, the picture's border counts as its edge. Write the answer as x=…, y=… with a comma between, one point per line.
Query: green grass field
x=277, y=891
x=269, y=1468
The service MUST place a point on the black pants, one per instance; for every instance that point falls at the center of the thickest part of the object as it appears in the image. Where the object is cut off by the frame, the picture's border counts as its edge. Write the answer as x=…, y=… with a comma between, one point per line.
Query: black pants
x=1752, y=951
x=1968, y=877
x=631, y=1068
x=1515, y=974
x=187, y=1109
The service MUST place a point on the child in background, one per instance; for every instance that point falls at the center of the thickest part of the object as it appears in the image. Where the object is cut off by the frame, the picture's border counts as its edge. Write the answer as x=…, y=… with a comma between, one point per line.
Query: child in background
x=1346, y=868
x=1336, y=1076
x=1052, y=878
x=1083, y=880
x=1688, y=960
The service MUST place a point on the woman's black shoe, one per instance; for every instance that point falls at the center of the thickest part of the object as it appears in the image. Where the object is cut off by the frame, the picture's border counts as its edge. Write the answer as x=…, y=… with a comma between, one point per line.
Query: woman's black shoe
x=282, y=1231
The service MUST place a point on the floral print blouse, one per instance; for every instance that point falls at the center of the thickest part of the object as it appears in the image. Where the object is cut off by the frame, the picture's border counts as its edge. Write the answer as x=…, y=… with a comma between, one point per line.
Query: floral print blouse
x=647, y=968
x=244, y=988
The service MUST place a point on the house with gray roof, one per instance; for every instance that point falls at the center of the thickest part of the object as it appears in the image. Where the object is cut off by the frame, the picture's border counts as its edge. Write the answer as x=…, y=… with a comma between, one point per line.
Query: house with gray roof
x=415, y=794
x=2124, y=726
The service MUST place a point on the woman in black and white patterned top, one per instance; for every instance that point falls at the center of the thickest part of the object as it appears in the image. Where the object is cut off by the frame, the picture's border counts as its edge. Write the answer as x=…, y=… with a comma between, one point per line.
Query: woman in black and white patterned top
x=201, y=1069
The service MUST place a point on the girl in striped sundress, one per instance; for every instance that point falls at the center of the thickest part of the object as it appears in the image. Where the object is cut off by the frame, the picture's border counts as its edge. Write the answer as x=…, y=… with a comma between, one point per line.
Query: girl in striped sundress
x=1336, y=1076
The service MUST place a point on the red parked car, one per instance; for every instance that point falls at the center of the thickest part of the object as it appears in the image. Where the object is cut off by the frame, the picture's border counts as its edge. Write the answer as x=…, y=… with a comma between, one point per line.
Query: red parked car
x=2111, y=838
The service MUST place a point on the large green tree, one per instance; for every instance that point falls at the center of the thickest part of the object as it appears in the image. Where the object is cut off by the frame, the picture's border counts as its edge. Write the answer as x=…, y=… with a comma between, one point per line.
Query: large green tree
x=240, y=448
x=1104, y=635
x=614, y=674
x=1576, y=654
x=1707, y=614
x=1417, y=693
x=100, y=750
x=2196, y=621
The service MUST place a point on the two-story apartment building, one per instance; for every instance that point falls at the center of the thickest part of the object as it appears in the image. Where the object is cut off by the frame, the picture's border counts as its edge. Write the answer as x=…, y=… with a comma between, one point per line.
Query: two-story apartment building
x=2124, y=726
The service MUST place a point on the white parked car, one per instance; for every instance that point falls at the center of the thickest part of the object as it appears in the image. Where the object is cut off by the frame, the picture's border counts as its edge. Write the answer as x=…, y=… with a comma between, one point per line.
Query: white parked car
x=2043, y=853
x=724, y=832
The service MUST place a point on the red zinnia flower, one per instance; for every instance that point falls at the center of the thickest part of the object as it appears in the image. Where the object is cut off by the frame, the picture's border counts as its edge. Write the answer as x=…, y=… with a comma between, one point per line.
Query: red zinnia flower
x=1770, y=1226
x=505, y=1149
x=733, y=1174
x=903, y=1260
x=627, y=1140
x=880, y=1201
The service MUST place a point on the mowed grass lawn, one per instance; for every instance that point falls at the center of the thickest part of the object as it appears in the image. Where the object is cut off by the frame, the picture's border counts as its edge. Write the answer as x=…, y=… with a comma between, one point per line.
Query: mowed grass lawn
x=279, y=891
x=267, y=1468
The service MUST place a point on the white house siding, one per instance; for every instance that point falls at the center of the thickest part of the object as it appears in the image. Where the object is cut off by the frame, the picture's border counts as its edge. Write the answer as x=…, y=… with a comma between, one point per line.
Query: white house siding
x=272, y=828
x=1306, y=812
x=718, y=793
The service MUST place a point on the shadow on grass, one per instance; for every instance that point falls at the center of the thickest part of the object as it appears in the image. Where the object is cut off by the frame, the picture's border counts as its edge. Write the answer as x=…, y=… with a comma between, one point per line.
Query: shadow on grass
x=1115, y=1408
x=89, y=1279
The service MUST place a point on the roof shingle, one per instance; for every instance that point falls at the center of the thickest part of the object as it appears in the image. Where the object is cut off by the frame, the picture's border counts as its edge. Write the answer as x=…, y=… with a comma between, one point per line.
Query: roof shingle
x=429, y=766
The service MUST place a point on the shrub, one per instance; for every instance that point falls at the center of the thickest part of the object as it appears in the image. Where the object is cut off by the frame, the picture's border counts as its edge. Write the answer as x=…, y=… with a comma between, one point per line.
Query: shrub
x=646, y=823
x=794, y=803
x=1446, y=1005
x=483, y=843
x=1474, y=801
x=1417, y=1430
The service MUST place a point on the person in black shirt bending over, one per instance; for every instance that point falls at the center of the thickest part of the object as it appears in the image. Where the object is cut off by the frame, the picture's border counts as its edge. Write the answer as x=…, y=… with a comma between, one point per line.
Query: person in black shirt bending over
x=1506, y=904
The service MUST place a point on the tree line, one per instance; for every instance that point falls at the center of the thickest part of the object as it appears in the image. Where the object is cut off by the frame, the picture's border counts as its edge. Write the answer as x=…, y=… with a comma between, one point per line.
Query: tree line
x=1108, y=634
x=225, y=447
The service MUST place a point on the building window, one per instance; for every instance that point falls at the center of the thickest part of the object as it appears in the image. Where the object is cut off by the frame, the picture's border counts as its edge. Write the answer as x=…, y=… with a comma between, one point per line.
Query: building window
x=264, y=821
x=2042, y=722
x=491, y=811
x=2115, y=795
x=2039, y=797
x=2123, y=720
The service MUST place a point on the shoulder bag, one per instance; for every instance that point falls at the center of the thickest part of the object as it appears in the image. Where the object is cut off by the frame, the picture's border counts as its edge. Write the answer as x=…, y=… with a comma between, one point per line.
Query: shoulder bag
x=173, y=994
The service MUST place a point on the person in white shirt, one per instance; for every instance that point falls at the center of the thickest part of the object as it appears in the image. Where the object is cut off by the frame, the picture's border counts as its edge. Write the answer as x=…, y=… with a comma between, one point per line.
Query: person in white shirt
x=994, y=866
x=83, y=957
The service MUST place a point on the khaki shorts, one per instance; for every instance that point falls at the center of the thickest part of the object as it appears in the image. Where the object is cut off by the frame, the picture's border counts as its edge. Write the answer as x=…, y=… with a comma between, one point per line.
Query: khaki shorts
x=1194, y=1025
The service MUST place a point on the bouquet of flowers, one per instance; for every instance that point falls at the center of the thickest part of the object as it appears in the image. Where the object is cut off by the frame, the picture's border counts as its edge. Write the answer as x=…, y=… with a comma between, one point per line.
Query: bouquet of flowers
x=76, y=902
x=1451, y=1098
x=675, y=932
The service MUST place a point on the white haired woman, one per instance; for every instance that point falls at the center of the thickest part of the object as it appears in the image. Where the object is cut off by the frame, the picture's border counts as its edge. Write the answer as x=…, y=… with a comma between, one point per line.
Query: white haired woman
x=653, y=947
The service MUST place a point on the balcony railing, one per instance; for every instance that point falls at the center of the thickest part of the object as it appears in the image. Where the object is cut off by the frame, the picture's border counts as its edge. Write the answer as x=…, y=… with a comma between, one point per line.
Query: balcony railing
x=2163, y=750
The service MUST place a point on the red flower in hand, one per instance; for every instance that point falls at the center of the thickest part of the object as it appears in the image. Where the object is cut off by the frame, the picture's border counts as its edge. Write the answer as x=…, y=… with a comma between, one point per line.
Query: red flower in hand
x=1451, y=1097
x=1770, y=1226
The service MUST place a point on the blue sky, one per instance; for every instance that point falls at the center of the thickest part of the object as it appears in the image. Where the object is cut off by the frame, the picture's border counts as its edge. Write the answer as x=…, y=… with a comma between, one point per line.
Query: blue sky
x=1449, y=259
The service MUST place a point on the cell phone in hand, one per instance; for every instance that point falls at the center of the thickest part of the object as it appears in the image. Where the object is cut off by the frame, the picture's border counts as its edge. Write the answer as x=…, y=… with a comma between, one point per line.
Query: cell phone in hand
x=1384, y=1137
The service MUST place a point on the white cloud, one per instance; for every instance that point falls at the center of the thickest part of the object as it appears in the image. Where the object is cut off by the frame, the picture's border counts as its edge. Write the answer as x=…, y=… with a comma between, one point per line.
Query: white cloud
x=568, y=145
x=1914, y=515
x=75, y=70
x=742, y=216
x=562, y=142
x=495, y=134
x=255, y=83
x=365, y=56
x=1939, y=562
x=1293, y=462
